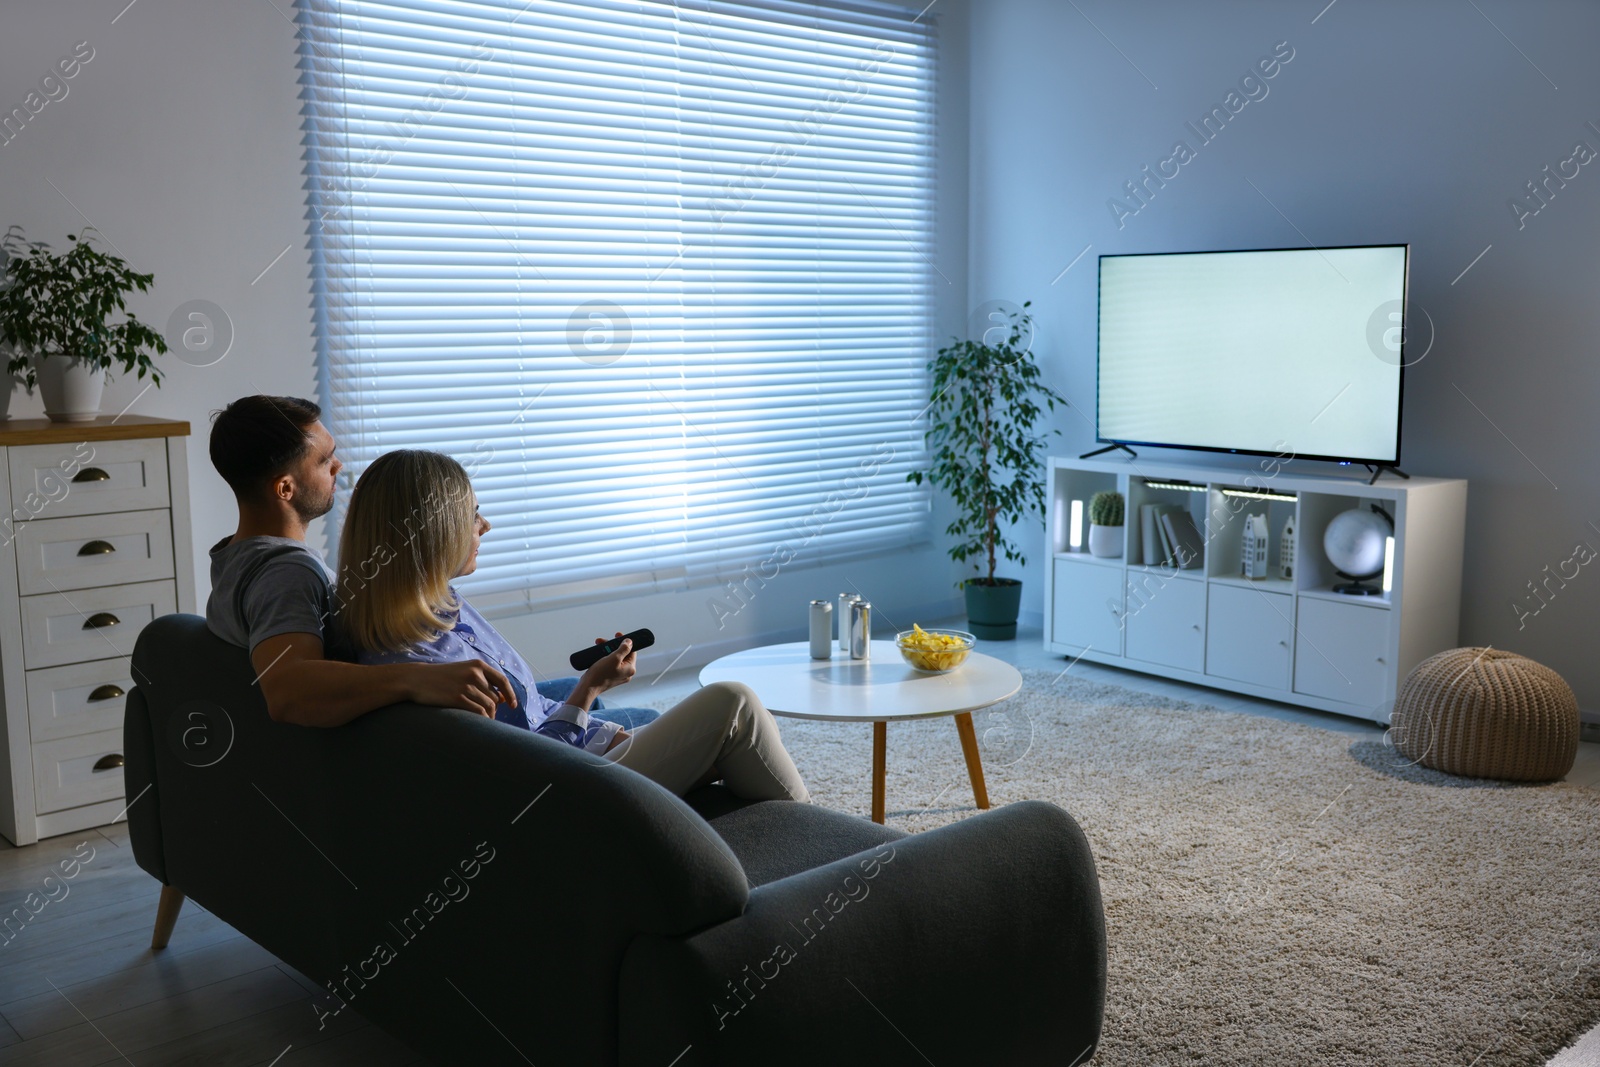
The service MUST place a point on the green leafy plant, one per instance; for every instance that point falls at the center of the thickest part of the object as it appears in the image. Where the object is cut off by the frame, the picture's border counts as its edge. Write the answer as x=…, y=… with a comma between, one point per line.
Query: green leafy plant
x=62, y=303
x=986, y=455
x=1105, y=508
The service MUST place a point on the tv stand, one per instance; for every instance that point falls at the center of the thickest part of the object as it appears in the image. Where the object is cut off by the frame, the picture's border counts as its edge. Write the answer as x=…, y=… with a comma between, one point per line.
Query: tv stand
x=1297, y=635
x=1378, y=469
x=1109, y=448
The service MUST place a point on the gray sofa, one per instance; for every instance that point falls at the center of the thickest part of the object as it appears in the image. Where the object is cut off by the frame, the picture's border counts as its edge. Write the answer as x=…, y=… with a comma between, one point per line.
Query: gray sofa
x=490, y=897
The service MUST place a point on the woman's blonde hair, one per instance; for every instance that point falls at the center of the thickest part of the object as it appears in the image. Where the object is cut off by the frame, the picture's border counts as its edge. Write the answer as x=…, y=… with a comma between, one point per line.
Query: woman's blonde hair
x=407, y=533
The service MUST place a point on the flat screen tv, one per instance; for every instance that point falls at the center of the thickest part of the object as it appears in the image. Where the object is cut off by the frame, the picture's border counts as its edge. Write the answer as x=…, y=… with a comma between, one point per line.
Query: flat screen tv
x=1262, y=352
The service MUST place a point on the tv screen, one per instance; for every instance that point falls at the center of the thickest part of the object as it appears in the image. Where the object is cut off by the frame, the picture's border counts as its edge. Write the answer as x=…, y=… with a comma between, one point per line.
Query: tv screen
x=1264, y=352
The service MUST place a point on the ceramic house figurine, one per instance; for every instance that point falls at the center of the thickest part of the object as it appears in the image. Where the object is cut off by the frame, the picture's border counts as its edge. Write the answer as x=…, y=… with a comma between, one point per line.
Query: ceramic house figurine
x=1253, y=547
x=1286, y=549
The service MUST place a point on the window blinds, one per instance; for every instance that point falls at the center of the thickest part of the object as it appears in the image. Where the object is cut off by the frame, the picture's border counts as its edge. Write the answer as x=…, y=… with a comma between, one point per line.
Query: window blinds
x=657, y=274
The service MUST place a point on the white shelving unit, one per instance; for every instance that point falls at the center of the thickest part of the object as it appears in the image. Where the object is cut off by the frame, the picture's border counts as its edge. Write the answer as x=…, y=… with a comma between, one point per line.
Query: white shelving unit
x=1290, y=639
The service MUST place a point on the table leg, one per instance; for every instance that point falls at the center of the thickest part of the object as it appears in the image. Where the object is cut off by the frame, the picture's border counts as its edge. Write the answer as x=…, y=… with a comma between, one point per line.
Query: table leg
x=969, y=748
x=880, y=742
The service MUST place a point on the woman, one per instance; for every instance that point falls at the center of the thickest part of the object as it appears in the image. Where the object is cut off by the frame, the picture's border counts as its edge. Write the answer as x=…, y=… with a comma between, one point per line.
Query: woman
x=412, y=526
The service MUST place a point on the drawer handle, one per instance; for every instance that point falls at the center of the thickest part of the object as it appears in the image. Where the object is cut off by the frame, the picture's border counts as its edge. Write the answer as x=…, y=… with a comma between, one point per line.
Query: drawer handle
x=91, y=474
x=108, y=691
x=108, y=763
x=100, y=620
x=97, y=548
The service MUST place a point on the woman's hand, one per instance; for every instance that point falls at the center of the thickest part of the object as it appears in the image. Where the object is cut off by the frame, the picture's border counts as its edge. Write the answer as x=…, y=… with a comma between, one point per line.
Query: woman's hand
x=608, y=673
x=616, y=669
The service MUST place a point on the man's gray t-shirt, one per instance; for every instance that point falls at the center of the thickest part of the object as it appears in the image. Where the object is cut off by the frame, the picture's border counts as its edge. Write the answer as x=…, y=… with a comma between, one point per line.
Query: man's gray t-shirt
x=265, y=586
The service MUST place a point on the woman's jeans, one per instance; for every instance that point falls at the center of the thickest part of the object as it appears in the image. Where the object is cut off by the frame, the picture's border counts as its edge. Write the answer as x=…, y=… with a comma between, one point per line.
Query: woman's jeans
x=721, y=731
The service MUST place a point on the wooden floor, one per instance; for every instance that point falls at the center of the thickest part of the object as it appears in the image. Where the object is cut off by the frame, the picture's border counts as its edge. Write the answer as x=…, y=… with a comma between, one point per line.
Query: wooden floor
x=79, y=984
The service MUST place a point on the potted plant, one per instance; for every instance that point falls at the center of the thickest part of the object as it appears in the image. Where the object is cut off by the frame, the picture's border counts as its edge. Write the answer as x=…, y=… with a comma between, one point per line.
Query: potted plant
x=1105, y=524
x=986, y=401
x=55, y=317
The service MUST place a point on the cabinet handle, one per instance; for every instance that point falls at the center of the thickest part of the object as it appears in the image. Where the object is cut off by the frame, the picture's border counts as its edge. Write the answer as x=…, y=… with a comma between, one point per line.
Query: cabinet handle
x=108, y=763
x=101, y=619
x=108, y=691
x=97, y=548
x=91, y=474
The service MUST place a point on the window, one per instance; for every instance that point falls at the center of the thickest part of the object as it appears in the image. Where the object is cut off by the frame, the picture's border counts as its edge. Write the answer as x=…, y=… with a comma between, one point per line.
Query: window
x=659, y=275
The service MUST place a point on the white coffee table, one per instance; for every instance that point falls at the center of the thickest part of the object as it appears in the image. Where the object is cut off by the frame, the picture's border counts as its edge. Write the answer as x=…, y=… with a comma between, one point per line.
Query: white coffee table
x=878, y=690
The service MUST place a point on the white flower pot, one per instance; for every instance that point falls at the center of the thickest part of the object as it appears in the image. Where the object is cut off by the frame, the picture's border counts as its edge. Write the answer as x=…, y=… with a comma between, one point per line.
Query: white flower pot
x=71, y=387
x=1105, y=541
x=9, y=384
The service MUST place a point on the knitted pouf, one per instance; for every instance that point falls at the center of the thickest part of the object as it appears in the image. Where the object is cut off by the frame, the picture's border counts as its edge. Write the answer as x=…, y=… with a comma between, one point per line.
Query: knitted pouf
x=1487, y=714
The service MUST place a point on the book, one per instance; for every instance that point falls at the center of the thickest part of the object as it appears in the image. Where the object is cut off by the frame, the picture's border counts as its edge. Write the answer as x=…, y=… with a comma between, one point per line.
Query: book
x=1165, y=555
x=1148, y=536
x=1188, y=546
x=1162, y=510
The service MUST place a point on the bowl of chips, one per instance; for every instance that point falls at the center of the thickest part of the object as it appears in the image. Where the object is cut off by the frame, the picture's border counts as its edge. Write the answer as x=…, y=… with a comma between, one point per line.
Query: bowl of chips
x=934, y=651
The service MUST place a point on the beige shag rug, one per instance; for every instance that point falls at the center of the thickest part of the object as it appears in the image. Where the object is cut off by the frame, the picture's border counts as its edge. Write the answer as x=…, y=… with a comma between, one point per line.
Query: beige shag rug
x=1277, y=894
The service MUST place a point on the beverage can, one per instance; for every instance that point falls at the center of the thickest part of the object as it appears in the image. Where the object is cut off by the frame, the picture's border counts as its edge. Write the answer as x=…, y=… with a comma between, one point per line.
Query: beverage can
x=822, y=629
x=843, y=617
x=860, y=629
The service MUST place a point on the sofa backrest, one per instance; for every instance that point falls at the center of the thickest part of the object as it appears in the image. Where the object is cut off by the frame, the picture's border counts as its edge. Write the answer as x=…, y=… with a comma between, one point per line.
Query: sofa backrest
x=434, y=868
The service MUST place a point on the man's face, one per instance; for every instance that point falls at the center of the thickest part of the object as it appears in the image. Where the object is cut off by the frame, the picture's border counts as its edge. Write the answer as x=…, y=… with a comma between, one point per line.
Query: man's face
x=315, y=475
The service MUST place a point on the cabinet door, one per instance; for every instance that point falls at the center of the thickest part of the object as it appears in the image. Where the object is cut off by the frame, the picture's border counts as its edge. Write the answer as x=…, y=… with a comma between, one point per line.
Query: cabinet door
x=1249, y=635
x=1343, y=652
x=1087, y=612
x=1165, y=620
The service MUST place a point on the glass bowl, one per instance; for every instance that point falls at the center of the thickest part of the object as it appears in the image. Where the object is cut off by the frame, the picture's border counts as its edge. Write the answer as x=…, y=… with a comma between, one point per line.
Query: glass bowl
x=936, y=661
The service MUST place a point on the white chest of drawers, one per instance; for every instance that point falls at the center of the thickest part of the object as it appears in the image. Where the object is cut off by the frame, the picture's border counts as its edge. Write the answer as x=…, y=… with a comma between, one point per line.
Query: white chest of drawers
x=94, y=543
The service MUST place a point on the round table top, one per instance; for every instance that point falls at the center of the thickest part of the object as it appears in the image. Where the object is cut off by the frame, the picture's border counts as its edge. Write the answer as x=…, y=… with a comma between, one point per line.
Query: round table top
x=883, y=688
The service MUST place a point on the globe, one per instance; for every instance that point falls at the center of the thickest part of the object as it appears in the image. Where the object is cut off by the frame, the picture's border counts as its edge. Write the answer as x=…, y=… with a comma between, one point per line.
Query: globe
x=1354, y=542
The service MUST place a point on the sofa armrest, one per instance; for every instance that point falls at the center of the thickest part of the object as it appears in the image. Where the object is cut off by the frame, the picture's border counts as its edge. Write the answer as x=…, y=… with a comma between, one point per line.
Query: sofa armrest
x=586, y=855
x=139, y=783
x=980, y=942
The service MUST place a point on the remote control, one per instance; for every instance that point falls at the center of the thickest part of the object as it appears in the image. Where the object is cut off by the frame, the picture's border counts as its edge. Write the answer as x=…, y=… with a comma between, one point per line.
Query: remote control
x=585, y=658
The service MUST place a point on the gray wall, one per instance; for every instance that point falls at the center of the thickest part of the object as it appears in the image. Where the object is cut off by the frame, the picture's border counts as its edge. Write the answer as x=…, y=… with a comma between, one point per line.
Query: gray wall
x=1410, y=122
x=180, y=140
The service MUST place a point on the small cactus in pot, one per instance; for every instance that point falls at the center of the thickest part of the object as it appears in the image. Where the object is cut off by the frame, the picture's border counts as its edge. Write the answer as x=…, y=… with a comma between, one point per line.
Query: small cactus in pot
x=1105, y=524
x=1105, y=509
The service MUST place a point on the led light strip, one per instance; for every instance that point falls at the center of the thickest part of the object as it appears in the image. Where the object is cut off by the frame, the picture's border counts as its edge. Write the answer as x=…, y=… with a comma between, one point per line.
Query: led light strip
x=1188, y=487
x=1251, y=494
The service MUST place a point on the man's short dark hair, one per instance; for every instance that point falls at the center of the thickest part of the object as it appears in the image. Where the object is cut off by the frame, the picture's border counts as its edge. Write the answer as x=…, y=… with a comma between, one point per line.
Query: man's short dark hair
x=258, y=438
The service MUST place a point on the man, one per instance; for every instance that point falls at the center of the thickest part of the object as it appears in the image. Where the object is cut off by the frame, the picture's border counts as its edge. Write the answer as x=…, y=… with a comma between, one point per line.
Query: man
x=271, y=594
